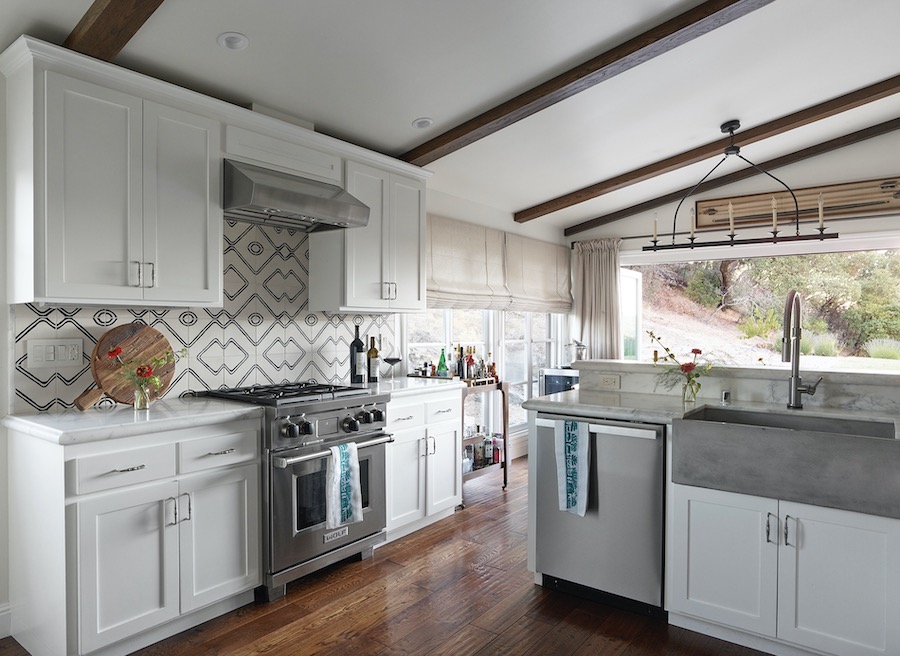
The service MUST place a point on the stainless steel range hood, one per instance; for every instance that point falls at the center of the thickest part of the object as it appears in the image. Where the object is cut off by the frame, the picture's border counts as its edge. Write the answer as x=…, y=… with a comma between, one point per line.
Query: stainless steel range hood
x=257, y=195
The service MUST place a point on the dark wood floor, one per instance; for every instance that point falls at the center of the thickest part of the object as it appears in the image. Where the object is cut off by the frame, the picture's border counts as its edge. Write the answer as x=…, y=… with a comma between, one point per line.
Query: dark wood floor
x=459, y=587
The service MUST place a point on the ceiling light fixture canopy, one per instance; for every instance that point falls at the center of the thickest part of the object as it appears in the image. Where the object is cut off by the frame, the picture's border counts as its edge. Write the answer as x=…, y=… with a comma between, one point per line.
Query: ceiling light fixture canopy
x=232, y=41
x=729, y=128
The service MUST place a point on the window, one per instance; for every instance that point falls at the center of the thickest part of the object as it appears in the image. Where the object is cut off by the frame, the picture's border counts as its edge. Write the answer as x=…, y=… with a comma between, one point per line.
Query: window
x=521, y=343
x=733, y=309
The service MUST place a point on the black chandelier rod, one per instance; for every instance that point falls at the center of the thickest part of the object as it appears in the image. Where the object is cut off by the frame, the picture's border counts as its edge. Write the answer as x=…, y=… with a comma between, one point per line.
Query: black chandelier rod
x=790, y=191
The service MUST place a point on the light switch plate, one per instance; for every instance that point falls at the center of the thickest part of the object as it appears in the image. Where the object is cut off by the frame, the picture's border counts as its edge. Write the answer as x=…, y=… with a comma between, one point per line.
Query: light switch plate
x=609, y=382
x=53, y=353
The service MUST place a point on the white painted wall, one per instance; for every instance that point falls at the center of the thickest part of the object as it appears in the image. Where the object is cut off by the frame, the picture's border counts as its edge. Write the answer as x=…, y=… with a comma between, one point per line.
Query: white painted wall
x=461, y=209
x=867, y=160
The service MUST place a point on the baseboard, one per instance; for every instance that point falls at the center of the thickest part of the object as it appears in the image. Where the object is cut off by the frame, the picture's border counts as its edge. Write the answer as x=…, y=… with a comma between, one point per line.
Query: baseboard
x=5, y=621
x=753, y=641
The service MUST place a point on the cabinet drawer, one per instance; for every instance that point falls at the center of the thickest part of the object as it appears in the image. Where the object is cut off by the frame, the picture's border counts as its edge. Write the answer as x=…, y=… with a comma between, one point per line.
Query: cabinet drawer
x=217, y=451
x=112, y=470
x=447, y=409
x=282, y=153
x=405, y=416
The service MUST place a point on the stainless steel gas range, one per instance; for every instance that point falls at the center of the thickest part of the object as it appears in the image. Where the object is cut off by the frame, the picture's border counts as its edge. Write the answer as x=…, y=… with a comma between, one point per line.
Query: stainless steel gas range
x=302, y=420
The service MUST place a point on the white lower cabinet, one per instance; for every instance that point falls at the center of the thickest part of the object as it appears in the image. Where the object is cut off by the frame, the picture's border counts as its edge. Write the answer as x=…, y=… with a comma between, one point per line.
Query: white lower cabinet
x=814, y=577
x=159, y=532
x=424, y=463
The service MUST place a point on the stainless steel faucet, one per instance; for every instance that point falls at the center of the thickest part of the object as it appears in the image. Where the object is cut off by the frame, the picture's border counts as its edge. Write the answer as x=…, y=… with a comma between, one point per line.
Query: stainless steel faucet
x=790, y=351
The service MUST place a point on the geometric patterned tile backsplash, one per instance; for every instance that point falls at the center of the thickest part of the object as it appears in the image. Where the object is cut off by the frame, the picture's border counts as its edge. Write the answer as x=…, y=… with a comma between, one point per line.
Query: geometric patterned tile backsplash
x=265, y=332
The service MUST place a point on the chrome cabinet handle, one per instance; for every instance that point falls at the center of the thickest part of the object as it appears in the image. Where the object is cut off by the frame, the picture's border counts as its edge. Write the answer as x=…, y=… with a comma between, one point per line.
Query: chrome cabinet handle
x=433, y=446
x=394, y=297
x=423, y=447
x=444, y=411
x=769, y=517
x=140, y=273
x=186, y=516
x=152, y=273
x=221, y=453
x=386, y=291
x=786, y=543
x=174, y=511
x=128, y=469
x=406, y=418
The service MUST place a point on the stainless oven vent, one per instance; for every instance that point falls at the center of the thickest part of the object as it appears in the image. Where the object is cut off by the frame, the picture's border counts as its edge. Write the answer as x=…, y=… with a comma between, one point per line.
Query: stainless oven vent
x=253, y=194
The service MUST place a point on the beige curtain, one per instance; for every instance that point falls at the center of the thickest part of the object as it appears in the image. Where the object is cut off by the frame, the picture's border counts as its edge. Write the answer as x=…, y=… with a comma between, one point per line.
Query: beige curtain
x=595, y=273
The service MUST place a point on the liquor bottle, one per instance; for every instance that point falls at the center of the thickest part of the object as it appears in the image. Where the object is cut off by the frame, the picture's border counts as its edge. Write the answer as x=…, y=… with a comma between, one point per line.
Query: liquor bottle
x=373, y=361
x=442, y=365
x=357, y=360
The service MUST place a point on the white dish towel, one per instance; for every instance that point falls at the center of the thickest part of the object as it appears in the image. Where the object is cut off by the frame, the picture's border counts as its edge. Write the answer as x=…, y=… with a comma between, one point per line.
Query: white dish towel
x=571, y=443
x=343, y=496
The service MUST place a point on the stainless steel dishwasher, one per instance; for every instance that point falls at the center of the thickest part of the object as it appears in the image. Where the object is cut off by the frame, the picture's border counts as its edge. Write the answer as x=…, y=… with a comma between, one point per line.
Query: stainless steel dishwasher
x=614, y=552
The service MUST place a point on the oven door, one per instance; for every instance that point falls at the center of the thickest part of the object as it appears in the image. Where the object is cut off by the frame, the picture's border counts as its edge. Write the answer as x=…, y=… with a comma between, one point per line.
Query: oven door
x=297, y=510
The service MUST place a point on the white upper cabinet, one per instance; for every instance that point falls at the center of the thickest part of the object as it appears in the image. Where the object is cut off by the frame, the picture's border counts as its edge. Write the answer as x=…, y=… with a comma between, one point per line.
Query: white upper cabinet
x=115, y=199
x=380, y=267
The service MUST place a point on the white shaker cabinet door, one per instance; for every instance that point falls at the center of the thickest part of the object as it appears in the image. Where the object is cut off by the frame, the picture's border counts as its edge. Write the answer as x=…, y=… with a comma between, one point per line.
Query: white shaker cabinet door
x=91, y=235
x=405, y=459
x=182, y=254
x=220, y=536
x=407, y=244
x=839, y=581
x=725, y=558
x=127, y=563
x=444, y=475
x=367, y=265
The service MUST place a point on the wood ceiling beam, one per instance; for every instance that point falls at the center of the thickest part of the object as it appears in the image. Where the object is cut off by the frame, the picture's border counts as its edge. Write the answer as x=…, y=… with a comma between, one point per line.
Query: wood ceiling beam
x=800, y=155
x=108, y=25
x=806, y=116
x=657, y=41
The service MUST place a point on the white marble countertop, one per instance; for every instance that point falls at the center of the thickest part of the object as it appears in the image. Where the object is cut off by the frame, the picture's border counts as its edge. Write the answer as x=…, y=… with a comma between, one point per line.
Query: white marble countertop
x=663, y=408
x=95, y=424
x=405, y=386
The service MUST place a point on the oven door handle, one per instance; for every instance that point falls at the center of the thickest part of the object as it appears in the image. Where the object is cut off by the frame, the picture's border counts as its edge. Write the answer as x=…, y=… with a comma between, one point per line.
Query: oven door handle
x=284, y=463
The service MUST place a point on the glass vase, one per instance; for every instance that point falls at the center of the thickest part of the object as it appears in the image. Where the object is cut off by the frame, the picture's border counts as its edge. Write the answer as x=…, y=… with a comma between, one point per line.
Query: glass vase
x=141, y=398
x=688, y=393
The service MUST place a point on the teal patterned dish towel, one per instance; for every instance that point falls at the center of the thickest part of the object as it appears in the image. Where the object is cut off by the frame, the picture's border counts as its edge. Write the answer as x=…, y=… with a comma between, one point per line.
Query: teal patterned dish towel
x=571, y=443
x=343, y=496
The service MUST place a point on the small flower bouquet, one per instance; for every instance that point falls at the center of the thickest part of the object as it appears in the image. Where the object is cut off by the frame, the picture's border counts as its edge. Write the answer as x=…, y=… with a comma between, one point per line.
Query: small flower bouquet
x=687, y=373
x=142, y=375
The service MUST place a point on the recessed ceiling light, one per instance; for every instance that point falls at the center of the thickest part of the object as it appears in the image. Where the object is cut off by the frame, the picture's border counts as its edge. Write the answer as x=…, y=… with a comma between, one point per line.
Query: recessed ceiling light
x=423, y=122
x=233, y=41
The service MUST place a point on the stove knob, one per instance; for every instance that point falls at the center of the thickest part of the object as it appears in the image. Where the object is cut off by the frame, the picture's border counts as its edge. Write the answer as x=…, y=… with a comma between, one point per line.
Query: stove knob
x=290, y=431
x=350, y=425
x=365, y=417
x=305, y=428
x=378, y=414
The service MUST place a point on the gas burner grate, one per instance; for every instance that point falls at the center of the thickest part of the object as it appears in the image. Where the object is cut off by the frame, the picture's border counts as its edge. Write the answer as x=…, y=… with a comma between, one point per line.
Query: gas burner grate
x=288, y=393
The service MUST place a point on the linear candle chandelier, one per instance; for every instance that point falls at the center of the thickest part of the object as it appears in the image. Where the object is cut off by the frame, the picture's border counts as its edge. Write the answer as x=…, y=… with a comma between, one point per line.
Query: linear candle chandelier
x=729, y=127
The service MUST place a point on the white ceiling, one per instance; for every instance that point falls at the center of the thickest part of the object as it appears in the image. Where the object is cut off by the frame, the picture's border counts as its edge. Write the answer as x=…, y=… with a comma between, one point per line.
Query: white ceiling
x=363, y=70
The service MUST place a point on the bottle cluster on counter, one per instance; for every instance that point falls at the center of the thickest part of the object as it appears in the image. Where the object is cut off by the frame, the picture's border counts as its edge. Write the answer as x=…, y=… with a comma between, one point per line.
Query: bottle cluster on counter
x=463, y=363
x=484, y=450
x=364, y=364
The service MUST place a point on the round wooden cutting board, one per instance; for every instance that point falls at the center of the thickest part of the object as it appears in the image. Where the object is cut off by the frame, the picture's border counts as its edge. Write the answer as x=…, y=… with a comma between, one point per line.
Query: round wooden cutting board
x=140, y=344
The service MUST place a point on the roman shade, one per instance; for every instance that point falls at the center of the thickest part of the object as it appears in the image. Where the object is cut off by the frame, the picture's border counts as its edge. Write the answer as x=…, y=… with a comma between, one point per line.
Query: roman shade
x=475, y=267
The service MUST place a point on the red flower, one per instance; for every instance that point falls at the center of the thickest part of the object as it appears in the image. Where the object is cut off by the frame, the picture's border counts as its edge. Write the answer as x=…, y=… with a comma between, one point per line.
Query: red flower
x=696, y=351
x=114, y=353
x=688, y=367
x=144, y=371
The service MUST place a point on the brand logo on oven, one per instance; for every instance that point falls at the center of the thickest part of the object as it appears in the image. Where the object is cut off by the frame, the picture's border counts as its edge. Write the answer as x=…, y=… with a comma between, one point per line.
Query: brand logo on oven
x=342, y=532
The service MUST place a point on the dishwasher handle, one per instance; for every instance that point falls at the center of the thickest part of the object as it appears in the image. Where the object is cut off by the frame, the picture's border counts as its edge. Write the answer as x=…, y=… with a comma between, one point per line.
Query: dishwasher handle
x=643, y=431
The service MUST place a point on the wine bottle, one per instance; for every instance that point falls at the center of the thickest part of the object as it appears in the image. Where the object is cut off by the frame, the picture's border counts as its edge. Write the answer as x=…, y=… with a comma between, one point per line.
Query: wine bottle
x=373, y=361
x=357, y=360
x=442, y=365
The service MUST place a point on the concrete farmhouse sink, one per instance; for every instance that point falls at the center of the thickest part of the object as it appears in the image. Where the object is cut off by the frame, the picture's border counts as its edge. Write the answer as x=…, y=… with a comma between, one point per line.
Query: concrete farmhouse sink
x=837, y=462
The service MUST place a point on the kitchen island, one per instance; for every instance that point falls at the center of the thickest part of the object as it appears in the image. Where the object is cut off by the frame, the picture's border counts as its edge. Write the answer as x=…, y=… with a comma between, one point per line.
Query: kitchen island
x=784, y=577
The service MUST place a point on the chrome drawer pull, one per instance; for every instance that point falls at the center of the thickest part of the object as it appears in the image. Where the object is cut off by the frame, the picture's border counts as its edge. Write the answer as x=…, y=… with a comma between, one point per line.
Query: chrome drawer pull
x=221, y=453
x=129, y=469
x=444, y=411
x=407, y=418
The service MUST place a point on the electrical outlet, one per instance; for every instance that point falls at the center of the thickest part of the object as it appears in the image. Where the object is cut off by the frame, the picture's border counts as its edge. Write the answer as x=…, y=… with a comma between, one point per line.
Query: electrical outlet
x=53, y=353
x=609, y=382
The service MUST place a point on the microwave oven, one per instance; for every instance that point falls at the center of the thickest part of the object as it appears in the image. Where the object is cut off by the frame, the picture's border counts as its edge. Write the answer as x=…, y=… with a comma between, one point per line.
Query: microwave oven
x=552, y=381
